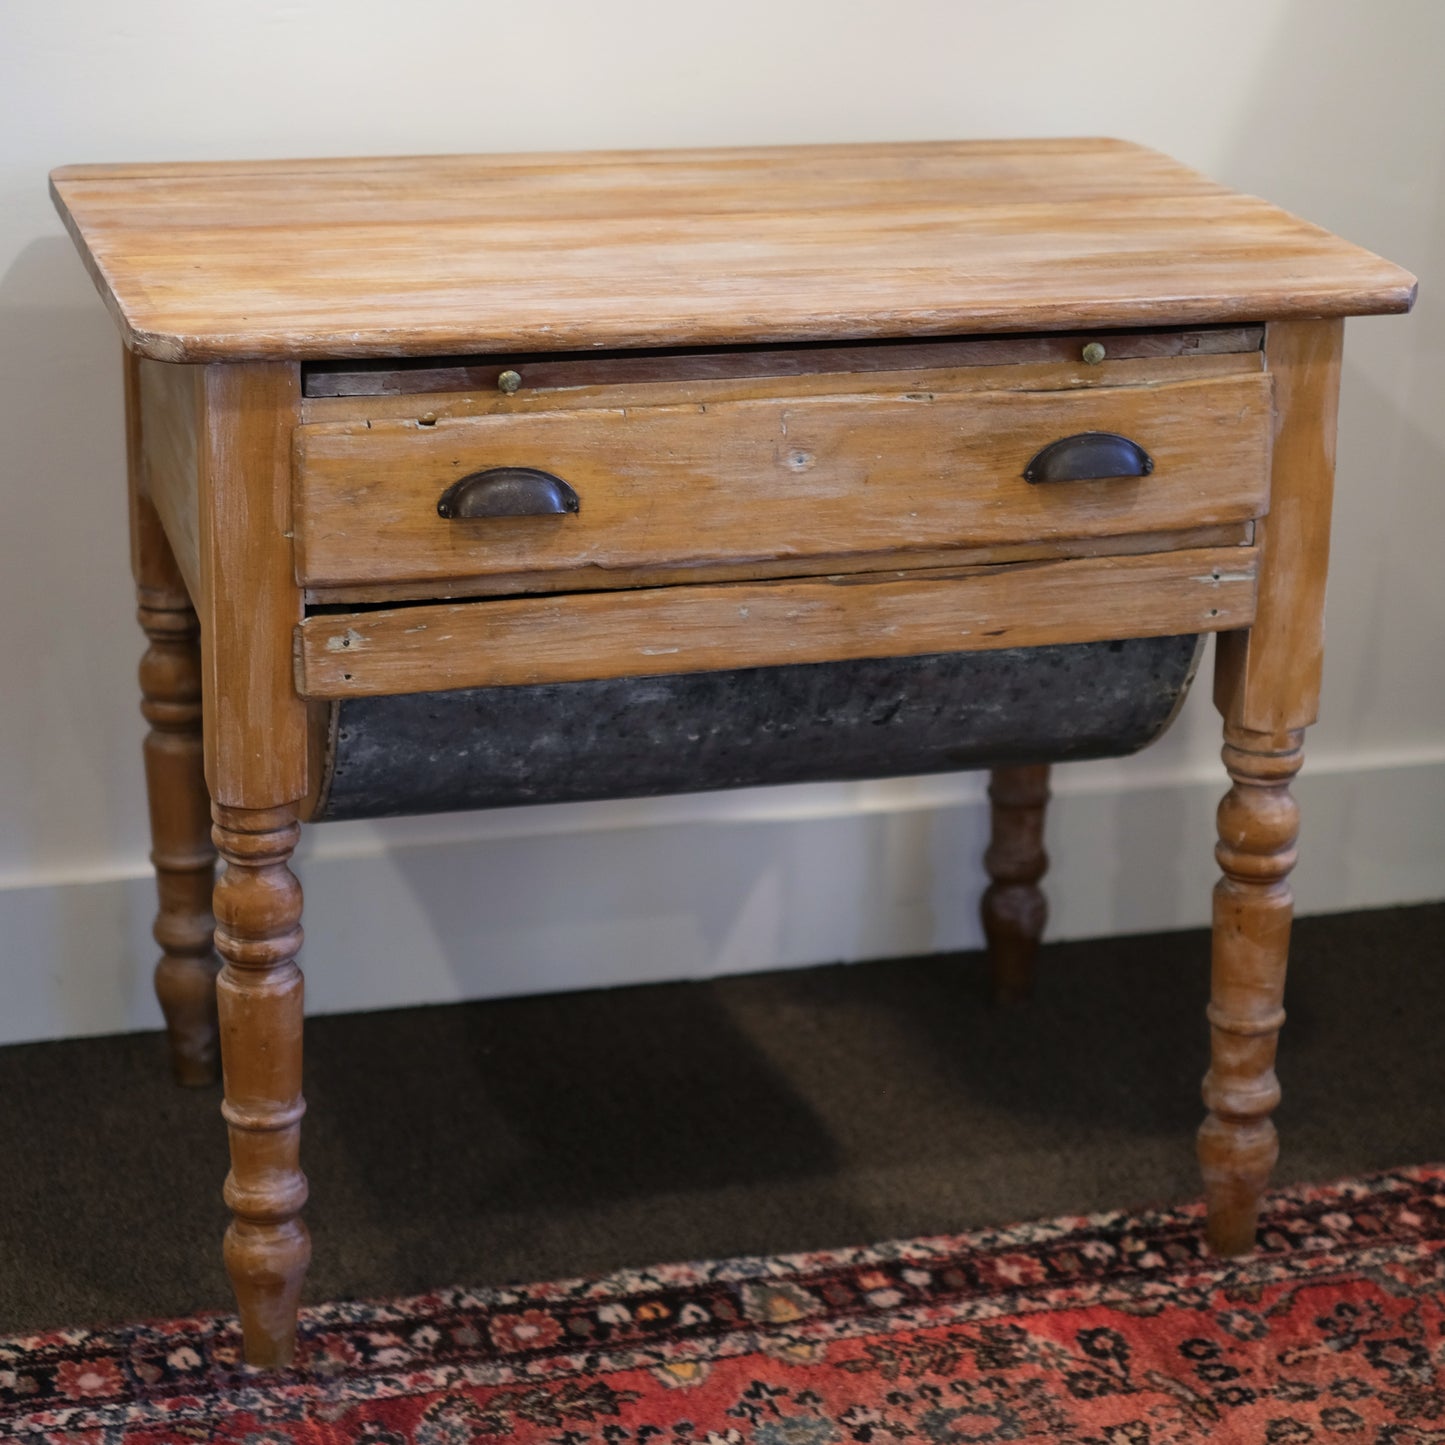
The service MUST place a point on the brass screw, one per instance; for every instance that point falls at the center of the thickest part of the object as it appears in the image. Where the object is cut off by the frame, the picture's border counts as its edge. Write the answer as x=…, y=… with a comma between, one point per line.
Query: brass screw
x=509, y=381
x=428, y=419
x=1094, y=353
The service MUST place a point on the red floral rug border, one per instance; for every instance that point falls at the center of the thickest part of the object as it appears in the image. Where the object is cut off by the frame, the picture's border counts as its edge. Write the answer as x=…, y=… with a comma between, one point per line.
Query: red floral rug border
x=670, y=1317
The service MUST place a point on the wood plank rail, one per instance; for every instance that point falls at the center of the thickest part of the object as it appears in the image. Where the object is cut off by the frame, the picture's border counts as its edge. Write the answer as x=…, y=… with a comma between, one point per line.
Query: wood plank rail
x=754, y=624
x=542, y=371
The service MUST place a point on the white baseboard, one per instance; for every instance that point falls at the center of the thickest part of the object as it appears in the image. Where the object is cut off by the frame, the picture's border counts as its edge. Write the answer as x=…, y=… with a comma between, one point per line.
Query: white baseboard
x=484, y=905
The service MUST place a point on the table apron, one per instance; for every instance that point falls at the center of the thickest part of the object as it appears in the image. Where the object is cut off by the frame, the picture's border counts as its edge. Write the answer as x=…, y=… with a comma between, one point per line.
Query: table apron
x=656, y=631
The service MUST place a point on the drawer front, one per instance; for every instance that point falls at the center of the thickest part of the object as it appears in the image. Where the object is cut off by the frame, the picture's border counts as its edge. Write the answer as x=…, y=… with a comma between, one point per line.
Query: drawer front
x=798, y=478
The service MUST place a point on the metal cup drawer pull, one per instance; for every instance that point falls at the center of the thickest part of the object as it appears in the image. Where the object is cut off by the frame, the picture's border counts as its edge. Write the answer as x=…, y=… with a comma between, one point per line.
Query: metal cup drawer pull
x=508, y=492
x=1089, y=456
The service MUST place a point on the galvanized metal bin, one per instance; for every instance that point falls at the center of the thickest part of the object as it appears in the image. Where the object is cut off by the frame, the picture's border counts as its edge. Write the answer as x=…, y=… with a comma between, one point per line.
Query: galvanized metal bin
x=693, y=732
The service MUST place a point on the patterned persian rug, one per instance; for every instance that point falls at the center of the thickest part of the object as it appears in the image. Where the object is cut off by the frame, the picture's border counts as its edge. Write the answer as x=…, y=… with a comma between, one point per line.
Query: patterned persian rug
x=1114, y=1329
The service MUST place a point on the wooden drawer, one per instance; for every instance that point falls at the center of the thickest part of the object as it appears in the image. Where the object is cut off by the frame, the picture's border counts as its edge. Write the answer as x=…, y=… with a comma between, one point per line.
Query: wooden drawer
x=804, y=479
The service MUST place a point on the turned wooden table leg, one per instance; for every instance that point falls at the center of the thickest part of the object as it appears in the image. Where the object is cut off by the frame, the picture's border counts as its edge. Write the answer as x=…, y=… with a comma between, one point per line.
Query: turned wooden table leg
x=1014, y=908
x=180, y=816
x=256, y=766
x=258, y=933
x=180, y=805
x=1266, y=685
x=1258, y=828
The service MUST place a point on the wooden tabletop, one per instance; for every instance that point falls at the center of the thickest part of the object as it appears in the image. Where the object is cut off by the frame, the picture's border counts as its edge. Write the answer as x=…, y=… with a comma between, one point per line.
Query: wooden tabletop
x=484, y=254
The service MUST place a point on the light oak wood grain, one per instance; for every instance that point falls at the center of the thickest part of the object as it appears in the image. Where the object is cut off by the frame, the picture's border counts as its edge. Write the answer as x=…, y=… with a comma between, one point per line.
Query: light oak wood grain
x=473, y=255
x=260, y=995
x=152, y=560
x=1268, y=679
x=1070, y=375
x=255, y=724
x=256, y=750
x=179, y=806
x=1267, y=685
x=1258, y=823
x=586, y=579
x=767, y=479
x=552, y=373
x=697, y=629
x=182, y=854
x=169, y=400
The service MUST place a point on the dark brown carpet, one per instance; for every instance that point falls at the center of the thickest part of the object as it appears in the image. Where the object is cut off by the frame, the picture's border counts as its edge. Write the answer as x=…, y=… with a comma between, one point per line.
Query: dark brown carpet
x=535, y=1138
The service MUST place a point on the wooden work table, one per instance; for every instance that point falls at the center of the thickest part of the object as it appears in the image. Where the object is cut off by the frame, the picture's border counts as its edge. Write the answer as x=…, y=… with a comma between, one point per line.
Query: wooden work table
x=409, y=427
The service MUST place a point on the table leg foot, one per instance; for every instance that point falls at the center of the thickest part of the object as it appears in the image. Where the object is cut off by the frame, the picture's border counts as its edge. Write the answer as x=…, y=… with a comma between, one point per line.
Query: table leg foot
x=267, y=1265
x=258, y=934
x=182, y=852
x=1258, y=828
x=1014, y=909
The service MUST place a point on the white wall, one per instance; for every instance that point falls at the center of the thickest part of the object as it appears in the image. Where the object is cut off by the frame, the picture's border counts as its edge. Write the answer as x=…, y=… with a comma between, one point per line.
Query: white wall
x=1332, y=108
